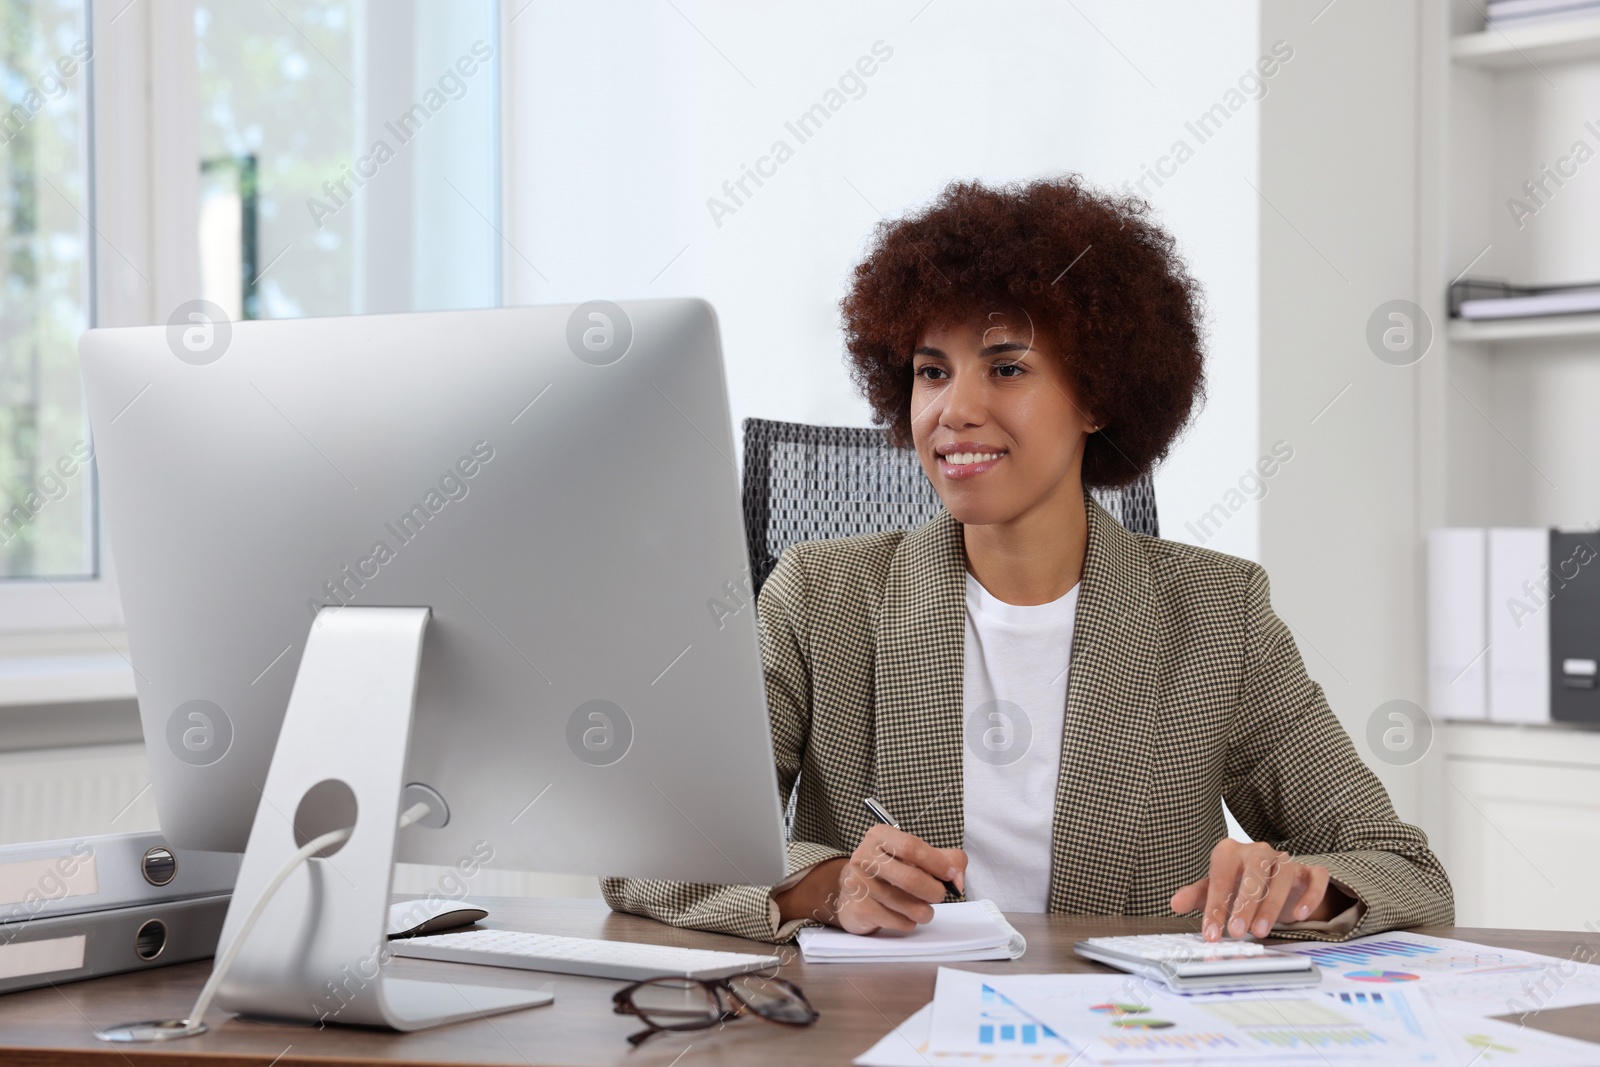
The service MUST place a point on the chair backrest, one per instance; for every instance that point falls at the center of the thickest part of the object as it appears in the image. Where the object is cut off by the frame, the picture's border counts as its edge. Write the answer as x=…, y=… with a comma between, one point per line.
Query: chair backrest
x=811, y=483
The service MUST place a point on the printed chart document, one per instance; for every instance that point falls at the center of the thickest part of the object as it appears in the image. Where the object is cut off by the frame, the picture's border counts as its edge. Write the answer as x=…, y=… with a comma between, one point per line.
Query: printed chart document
x=1091, y=1019
x=1459, y=976
x=1131, y=1021
x=1472, y=1043
x=1481, y=1042
x=968, y=930
x=907, y=1045
x=972, y=1016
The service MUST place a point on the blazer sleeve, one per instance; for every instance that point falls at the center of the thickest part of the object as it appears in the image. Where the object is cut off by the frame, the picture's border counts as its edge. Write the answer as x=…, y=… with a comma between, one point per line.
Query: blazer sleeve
x=1293, y=778
x=748, y=910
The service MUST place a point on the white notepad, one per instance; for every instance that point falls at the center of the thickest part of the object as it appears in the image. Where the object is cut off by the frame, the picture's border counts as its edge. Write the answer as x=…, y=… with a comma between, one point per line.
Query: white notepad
x=969, y=930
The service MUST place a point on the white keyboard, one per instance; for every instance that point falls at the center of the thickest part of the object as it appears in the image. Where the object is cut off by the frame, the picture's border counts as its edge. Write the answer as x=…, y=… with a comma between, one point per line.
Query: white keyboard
x=578, y=955
x=1190, y=964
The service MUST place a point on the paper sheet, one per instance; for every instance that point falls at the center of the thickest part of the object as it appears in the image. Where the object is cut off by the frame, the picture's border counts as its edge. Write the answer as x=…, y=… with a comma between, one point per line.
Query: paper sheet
x=972, y=1016
x=907, y=1046
x=1140, y=1023
x=966, y=930
x=1458, y=976
x=1482, y=1042
x=1472, y=1042
x=1396, y=998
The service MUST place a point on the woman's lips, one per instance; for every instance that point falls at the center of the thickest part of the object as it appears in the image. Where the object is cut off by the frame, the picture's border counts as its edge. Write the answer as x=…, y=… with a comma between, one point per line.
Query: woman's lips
x=963, y=471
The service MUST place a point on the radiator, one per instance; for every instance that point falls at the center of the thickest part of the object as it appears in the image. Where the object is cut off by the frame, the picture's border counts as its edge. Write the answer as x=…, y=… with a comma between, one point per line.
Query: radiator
x=74, y=792
x=105, y=789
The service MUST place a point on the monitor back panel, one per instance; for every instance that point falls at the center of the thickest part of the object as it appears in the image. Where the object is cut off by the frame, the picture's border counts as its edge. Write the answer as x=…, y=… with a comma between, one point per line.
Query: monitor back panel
x=590, y=698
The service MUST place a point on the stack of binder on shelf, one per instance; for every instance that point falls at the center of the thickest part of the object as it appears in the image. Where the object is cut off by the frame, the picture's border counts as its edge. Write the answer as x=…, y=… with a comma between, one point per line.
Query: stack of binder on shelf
x=82, y=908
x=1506, y=13
x=1514, y=624
x=1481, y=298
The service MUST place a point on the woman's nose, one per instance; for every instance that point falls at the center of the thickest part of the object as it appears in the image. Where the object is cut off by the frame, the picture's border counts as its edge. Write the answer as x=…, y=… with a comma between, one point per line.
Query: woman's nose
x=964, y=402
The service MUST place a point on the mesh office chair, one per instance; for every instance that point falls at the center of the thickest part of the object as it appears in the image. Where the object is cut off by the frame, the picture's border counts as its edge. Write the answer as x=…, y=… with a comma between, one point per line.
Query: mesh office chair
x=809, y=483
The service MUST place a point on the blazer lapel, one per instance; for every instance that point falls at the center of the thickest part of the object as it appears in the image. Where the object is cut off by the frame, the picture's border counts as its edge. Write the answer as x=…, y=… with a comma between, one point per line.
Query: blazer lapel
x=1112, y=698
x=921, y=641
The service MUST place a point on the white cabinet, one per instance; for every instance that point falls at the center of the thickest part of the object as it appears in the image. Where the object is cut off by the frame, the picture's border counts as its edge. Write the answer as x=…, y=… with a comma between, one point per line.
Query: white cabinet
x=1522, y=825
x=1507, y=430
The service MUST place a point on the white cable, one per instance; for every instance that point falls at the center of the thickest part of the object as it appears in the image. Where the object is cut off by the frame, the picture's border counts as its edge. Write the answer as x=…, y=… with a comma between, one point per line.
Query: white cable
x=193, y=1024
x=413, y=813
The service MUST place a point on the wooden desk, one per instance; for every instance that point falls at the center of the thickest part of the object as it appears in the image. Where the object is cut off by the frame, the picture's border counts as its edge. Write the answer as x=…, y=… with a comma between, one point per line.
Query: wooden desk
x=858, y=1004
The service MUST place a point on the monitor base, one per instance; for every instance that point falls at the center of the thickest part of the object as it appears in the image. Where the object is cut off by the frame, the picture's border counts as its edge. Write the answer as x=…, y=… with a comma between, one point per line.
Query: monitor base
x=317, y=953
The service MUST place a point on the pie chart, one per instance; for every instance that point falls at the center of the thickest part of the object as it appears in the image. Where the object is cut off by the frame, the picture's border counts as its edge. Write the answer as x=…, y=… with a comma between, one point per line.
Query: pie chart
x=1380, y=976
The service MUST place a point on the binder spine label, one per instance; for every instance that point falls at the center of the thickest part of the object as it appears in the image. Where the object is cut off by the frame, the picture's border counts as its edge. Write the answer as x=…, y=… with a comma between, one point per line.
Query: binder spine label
x=31, y=884
x=50, y=956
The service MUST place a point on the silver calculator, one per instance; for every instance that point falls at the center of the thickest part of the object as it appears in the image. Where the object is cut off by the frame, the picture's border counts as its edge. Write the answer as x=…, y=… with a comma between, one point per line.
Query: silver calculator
x=1187, y=963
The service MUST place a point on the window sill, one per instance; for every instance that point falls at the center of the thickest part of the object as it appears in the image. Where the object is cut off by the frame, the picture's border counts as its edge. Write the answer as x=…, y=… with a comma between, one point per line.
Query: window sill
x=34, y=678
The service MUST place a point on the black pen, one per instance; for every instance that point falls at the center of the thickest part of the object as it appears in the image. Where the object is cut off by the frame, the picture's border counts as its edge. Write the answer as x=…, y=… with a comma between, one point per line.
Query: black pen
x=877, y=811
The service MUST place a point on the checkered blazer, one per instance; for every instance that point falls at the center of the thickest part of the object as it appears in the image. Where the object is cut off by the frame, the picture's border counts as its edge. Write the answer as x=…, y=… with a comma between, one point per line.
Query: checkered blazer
x=1185, y=688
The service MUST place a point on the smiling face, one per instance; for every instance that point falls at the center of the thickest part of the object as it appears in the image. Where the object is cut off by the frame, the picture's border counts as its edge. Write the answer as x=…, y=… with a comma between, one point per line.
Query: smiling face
x=996, y=420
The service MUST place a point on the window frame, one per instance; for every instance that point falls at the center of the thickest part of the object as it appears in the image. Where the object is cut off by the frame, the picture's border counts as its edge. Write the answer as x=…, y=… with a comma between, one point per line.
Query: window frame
x=138, y=94
x=144, y=183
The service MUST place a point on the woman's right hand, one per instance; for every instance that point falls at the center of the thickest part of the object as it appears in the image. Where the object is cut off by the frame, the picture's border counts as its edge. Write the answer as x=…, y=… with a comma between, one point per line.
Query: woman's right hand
x=890, y=882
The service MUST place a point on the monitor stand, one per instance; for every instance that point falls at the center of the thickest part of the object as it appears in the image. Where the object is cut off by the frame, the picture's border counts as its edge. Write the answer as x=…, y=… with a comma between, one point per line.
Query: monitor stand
x=316, y=955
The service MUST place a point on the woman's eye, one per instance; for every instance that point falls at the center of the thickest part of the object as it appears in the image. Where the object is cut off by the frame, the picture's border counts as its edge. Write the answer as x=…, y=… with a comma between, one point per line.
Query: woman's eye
x=1005, y=369
x=930, y=372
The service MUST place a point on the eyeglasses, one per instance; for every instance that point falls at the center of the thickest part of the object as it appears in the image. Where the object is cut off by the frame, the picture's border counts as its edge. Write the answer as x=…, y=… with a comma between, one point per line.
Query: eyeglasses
x=679, y=1004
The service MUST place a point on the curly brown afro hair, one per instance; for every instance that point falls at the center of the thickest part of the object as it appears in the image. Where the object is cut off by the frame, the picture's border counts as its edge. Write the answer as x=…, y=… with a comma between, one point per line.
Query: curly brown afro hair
x=1092, y=271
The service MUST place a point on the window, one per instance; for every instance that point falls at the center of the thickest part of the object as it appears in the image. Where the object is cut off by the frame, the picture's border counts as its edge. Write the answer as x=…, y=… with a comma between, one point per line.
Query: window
x=279, y=158
x=349, y=156
x=48, y=525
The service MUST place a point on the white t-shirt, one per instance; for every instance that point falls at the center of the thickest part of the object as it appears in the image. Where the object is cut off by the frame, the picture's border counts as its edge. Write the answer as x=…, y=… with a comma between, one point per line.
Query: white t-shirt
x=1014, y=692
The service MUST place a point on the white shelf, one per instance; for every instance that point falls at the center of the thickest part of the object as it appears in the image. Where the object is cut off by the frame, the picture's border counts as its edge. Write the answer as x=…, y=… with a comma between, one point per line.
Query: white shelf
x=1554, y=40
x=1528, y=329
x=1554, y=742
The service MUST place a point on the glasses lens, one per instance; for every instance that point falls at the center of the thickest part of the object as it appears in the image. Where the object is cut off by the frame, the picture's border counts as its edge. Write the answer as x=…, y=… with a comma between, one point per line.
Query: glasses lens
x=773, y=998
x=676, y=1004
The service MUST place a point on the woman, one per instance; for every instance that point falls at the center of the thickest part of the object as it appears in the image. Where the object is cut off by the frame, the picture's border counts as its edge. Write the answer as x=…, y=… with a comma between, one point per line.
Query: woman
x=1052, y=706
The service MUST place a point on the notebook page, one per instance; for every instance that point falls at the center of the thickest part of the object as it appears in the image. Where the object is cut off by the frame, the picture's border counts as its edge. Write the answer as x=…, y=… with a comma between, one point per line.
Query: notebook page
x=958, y=930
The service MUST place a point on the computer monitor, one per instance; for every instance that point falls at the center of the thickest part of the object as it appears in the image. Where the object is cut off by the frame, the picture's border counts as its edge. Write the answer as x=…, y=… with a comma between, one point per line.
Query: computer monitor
x=555, y=485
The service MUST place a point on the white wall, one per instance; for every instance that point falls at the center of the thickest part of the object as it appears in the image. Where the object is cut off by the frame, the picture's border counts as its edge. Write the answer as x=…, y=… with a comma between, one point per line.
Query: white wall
x=628, y=117
x=1340, y=533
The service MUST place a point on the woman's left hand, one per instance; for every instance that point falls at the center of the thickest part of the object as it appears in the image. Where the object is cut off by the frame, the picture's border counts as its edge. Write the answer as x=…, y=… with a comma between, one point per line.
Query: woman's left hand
x=1252, y=886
